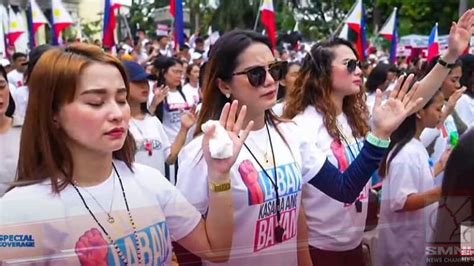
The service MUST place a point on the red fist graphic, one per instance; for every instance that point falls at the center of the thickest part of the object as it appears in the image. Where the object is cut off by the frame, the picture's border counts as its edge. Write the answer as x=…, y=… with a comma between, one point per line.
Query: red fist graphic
x=92, y=248
x=249, y=175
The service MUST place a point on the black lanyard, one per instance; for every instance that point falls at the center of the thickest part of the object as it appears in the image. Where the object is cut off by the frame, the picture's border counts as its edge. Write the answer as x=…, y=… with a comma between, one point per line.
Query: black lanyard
x=278, y=229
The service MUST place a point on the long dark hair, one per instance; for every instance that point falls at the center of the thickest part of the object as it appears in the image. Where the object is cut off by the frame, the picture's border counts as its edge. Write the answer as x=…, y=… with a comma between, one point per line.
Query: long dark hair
x=282, y=88
x=459, y=172
x=400, y=137
x=377, y=77
x=456, y=204
x=467, y=73
x=11, y=103
x=162, y=64
x=222, y=63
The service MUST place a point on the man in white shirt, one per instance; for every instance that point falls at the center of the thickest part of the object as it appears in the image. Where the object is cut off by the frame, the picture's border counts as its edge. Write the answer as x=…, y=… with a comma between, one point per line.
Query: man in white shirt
x=15, y=77
x=21, y=94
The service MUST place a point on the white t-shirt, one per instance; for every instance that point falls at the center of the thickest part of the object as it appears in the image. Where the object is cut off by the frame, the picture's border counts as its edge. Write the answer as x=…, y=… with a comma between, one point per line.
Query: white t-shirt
x=465, y=109
x=278, y=108
x=174, y=106
x=254, y=198
x=403, y=234
x=15, y=78
x=9, y=151
x=441, y=136
x=192, y=92
x=334, y=225
x=153, y=146
x=370, y=101
x=20, y=96
x=160, y=212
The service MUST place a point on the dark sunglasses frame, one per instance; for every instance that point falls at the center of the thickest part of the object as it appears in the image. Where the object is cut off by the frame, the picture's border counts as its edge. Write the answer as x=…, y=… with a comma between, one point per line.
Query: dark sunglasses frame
x=352, y=65
x=258, y=74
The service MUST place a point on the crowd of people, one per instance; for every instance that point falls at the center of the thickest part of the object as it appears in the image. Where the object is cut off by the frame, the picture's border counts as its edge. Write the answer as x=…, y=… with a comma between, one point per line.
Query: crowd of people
x=231, y=152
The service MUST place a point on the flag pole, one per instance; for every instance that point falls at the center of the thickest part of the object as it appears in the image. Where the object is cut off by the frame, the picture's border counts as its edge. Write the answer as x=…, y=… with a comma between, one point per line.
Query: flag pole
x=258, y=16
x=29, y=17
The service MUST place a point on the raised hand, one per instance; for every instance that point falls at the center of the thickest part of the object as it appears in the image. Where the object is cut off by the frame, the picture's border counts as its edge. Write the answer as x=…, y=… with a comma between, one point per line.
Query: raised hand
x=188, y=118
x=218, y=169
x=399, y=105
x=460, y=33
x=159, y=94
x=453, y=99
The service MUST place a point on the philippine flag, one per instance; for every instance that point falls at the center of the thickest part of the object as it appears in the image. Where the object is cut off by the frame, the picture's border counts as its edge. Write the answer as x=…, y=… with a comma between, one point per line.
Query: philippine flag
x=61, y=19
x=176, y=10
x=356, y=22
x=389, y=31
x=268, y=20
x=108, y=39
x=433, y=45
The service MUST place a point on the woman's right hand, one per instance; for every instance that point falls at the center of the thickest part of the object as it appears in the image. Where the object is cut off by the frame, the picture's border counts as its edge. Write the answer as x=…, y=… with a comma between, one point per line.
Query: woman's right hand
x=453, y=99
x=218, y=169
x=159, y=94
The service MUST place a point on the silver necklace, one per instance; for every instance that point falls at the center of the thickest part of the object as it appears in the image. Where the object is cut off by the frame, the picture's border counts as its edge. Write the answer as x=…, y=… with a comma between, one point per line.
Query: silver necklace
x=110, y=218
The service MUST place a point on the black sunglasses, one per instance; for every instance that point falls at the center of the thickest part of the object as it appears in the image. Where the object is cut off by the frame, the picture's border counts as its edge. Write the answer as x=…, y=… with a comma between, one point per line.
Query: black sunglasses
x=258, y=74
x=352, y=65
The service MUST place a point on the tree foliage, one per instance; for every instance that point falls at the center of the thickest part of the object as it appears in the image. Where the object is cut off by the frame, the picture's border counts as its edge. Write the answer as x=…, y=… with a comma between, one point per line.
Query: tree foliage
x=316, y=21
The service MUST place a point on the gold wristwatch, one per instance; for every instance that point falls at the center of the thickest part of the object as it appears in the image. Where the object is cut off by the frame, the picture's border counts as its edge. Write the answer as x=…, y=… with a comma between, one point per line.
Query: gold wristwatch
x=219, y=187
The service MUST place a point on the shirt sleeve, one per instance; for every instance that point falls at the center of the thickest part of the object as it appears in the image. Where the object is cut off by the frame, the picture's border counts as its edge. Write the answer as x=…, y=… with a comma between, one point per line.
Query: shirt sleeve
x=192, y=176
x=347, y=186
x=402, y=183
x=181, y=216
x=164, y=139
x=429, y=135
x=463, y=109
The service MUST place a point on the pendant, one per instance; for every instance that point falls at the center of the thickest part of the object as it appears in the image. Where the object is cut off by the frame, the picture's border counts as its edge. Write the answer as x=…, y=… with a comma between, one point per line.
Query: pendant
x=148, y=147
x=279, y=231
x=111, y=219
x=265, y=157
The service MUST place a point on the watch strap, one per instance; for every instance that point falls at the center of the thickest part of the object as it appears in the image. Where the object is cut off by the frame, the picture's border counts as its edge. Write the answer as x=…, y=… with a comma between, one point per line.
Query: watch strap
x=446, y=64
x=219, y=187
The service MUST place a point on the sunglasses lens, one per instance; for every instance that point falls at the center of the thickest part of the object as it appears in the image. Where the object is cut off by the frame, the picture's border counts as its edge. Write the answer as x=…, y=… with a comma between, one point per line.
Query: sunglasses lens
x=276, y=71
x=257, y=76
x=351, y=66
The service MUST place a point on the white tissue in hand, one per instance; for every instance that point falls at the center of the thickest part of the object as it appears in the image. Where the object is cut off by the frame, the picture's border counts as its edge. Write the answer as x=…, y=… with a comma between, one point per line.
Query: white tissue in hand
x=220, y=144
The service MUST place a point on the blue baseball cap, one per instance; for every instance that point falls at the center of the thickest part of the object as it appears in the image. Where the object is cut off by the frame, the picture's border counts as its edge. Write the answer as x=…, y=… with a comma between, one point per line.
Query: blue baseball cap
x=136, y=72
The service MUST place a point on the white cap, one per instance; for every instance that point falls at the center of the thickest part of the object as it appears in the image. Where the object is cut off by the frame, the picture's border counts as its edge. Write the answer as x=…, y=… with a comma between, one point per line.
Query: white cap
x=4, y=62
x=196, y=56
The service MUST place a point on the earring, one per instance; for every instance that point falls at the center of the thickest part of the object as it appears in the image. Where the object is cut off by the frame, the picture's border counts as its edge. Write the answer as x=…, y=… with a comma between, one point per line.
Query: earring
x=227, y=95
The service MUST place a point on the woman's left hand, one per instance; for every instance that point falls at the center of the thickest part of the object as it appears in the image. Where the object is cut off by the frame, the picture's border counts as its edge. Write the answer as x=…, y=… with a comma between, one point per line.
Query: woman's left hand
x=400, y=104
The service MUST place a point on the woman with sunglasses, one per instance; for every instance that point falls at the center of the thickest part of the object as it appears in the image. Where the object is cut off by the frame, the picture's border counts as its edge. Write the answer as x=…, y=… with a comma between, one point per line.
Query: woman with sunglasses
x=276, y=160
x=328, y=90
x=328, y=102
x=79, y=196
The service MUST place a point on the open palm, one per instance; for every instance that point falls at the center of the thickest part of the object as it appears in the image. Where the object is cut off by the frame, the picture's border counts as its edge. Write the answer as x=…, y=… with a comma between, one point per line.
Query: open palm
x=233, y=126
x=460, y=33
x=400, y=104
